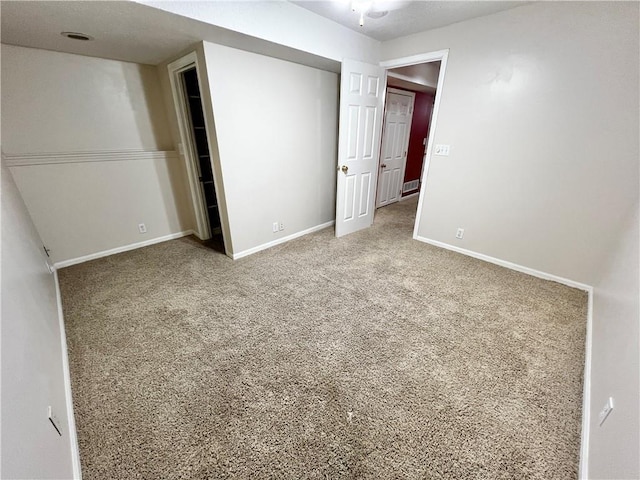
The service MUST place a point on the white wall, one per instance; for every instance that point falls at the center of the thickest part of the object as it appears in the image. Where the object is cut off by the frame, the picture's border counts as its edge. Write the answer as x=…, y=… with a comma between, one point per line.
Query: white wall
x=32, y=356
x=540, y=107
x=276, y=126
x=84, y=208
x=615, y=371
x=281, y=23
x=58, y=102
x=55, y=105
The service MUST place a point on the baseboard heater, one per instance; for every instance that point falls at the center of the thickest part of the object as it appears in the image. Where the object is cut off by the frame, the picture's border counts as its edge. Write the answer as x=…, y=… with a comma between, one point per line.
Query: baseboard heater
x=412, y=185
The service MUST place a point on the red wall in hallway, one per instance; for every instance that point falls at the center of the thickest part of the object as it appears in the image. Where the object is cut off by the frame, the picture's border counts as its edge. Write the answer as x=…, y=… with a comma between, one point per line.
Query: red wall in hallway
x=419, y=130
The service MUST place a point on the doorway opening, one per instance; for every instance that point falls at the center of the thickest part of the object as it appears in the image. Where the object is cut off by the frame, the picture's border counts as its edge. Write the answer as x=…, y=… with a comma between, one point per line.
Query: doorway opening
x=195, y=132
x=362, y=102
x=200, y=143
x=400, y=67
x=409, y=104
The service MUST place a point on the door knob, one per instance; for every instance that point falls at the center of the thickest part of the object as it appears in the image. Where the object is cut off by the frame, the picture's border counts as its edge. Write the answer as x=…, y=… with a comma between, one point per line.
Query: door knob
x=384, y=165
x=344, y=168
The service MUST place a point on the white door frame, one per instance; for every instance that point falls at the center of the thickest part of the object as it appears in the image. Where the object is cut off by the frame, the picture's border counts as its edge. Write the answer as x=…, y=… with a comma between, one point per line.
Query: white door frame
x=440, y=55
x=175, y=69
x=407, y=93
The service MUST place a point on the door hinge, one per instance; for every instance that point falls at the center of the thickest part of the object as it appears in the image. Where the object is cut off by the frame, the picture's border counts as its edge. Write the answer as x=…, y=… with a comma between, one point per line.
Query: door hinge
x=46, y=250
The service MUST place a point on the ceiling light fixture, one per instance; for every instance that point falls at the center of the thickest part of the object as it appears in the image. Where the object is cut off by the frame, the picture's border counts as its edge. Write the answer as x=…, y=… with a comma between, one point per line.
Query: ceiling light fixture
x=76, y=36
x=375, y=14
x=375, y=8
x=361, y=7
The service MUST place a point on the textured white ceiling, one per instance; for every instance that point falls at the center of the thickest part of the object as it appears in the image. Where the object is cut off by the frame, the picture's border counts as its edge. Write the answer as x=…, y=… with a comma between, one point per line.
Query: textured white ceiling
x=123, y=30
x=127, y=31
x=409, y=17
x=424, y=73
x=422, y=77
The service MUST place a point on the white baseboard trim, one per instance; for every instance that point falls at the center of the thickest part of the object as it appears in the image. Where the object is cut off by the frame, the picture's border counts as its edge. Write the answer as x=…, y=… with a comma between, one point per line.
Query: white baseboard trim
x=409, y=197
x=583, y=466
x=125, y=248
x=264, y=246
x=506, y=264
x=71, y=421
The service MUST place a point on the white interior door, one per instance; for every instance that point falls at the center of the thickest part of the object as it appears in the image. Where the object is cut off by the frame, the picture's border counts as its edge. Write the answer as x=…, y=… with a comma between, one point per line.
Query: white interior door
x=362, y=88
x=395, y=142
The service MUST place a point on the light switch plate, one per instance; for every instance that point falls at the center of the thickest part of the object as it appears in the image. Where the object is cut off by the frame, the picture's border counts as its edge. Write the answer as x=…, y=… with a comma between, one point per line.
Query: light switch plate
x=54, y=420
x=442, y=150
x=606, y=410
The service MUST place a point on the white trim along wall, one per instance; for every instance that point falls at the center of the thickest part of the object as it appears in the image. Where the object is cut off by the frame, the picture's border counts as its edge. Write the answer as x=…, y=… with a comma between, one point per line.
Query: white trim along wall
x=30, y=159
x=124, y=248
x=583, y=467
x=279, y=241
x=71, y=424
x=507, y=264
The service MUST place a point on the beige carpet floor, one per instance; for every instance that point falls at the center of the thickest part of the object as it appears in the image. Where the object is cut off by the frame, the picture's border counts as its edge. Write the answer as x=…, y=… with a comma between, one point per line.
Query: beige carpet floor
x=372, y=356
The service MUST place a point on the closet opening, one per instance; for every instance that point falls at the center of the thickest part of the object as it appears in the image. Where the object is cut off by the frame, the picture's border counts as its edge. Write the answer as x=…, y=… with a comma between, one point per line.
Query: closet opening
x=200, y=146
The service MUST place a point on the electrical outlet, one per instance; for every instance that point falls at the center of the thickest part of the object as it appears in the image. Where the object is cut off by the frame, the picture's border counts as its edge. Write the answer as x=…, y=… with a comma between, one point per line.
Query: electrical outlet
x=606, y=410
x=460, y=233
x=276, y=226
x=142, y=228
x=281, y=226
x=54, y=420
